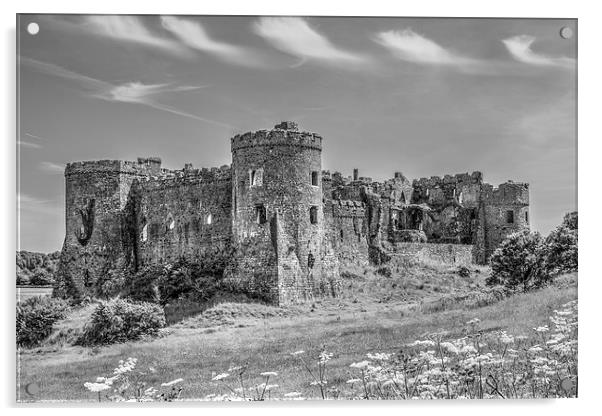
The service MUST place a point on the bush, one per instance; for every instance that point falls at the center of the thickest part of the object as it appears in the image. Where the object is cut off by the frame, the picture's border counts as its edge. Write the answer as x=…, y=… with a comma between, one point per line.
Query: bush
x=122, y=320
x=519, y=262
x=42, y=278
x=36, y=317
x=182, y=280
x=561, y=246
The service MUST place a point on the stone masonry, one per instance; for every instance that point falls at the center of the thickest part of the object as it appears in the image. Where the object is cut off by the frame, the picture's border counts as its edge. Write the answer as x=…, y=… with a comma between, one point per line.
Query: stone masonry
x=274, y=224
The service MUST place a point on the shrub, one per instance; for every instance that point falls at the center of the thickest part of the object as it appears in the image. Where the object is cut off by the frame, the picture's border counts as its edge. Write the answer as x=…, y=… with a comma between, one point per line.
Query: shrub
x=36, y=317
x=121, y=320
x=561, y=246
x=519, y=262
x=42, y=278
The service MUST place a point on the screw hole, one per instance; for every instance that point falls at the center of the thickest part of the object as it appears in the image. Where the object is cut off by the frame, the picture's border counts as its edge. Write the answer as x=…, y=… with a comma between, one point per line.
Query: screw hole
x=33, y=28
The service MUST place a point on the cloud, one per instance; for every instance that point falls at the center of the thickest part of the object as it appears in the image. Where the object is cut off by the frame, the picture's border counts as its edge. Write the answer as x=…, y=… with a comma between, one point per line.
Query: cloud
x=53, y=168
x=520, y=49
x=132, y=92
x=194, y=35
x=296, y=37
x=131, y=29
x=410, y=46
x=24, y=143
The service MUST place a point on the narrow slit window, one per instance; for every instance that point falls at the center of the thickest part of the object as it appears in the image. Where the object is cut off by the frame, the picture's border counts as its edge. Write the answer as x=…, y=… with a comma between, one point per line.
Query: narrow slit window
x=510, y=217
x=314, y=178
x=144, y=235
x=527, y=217
x=171, y=223
x=208, y=219
x=261, y=216
x=313, y=215
x=253, y=178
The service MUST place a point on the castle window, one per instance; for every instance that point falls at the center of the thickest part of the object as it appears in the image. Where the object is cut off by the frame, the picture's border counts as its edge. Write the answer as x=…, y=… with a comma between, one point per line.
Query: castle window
x=403, y=198
x=342, y=235
x=314, y=178
x=310, y=261
x=256, y=177
x=208, y=219
x=510, y=217
x=144, y=235
x=171, y=223
x=527, y=217
x=460, y=198
x=313, y=215
x=260, y=214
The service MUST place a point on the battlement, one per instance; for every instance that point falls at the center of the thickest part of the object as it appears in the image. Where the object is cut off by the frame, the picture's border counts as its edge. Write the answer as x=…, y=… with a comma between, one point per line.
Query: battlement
x=188, y=176
x=112, y=166
x=460, y=178
x=283, y=134
x=508, y=193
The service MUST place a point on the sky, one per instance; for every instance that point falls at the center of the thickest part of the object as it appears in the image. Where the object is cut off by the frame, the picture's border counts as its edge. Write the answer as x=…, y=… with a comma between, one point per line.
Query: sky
x=424, y=96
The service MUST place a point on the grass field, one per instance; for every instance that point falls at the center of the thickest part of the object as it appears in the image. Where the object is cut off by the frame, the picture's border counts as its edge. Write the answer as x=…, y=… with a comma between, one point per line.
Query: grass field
x=375, y=314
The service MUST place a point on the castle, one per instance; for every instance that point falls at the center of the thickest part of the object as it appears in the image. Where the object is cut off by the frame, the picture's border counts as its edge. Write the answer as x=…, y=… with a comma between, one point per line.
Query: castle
x=273, y=224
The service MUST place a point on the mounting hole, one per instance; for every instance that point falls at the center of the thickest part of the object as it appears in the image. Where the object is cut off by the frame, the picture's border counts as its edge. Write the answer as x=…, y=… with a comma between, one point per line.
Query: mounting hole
x=33, y=28
x=566, y=32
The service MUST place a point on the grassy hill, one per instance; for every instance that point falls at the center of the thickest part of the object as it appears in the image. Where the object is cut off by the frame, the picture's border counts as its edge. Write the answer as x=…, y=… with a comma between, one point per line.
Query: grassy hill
x=378, y=311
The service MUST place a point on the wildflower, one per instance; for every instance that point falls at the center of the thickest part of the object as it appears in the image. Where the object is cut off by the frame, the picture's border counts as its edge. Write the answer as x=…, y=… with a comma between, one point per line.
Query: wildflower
x=269, y=373
x=535, y=349
x=450, y=347
x=220, y=376
x=293, y=394
x=353, y=380
x=298, y=352
x=473, y=321
x=361, y=365
x=172, y=382
x=325, y=357
x=543, y=328
x=379, y=356
x=505, y=338
x=96, y=387
x=425, y=343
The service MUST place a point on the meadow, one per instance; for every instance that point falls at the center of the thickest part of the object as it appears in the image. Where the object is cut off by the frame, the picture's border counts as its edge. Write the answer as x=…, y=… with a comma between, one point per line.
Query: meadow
x=346, y=347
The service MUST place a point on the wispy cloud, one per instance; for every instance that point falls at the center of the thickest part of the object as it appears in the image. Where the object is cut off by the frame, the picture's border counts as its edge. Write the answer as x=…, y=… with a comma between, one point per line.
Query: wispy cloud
x=410, y=46
x=520, y=49
x=51, y=167
x=131, y=29
x=194, y=35
x=31, y=145
x=296, y=37
x=131, y=92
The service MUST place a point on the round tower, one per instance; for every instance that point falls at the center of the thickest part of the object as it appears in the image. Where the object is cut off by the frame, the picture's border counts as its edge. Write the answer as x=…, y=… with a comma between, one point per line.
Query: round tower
x=278, y=220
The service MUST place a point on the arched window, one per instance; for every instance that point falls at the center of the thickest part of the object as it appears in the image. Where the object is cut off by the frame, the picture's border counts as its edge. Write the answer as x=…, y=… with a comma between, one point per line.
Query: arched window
x=460, y=197
x=208, y=219
x=314, y=178
x=313, y=215
x=144, y=235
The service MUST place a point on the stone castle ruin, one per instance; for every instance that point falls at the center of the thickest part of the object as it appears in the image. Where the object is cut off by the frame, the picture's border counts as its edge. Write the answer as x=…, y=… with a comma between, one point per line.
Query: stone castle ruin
x=273, y=224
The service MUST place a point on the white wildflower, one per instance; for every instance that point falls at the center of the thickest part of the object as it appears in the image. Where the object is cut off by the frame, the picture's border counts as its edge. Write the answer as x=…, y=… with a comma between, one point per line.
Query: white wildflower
x=172, y=382
x=220, y=376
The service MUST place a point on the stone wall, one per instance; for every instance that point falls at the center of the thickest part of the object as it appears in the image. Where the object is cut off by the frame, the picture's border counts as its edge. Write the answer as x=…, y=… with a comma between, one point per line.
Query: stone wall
x=453, y=254
x=188, y=215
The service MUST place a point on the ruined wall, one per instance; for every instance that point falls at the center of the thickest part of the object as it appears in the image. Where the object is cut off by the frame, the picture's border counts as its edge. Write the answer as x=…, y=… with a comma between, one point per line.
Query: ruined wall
x=187, y=214
x=97, y=239
x=453, y=254
x=454, y=203
x=349, y=232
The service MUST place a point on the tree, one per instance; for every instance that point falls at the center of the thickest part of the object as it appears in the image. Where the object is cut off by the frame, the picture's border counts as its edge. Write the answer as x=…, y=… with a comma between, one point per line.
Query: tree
x=519, y=262
x=561, y=246
x=42, y=278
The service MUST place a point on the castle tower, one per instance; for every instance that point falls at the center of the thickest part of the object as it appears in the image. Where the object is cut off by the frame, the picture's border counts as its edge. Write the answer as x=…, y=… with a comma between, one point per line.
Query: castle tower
x=100, y=238
x=278, y=220
x=504, y=210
